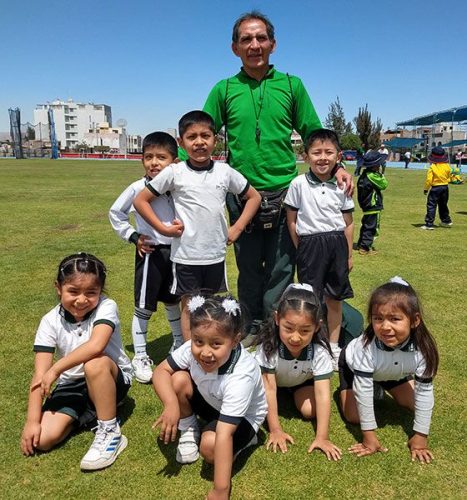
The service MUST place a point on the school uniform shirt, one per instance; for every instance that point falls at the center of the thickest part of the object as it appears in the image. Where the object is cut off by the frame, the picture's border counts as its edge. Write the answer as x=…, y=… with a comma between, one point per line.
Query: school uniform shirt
x=313, y=362
x=119, y=215
x=235, y=389
x=377, y=362
x=199, y=198
x=319, y=204
x=59, y=332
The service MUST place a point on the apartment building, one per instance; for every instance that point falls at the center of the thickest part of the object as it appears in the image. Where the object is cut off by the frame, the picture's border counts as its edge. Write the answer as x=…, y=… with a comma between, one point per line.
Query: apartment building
x=73, y=120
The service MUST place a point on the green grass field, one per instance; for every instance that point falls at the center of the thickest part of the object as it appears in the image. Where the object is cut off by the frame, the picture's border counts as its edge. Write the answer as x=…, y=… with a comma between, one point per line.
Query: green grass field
x=50, y=209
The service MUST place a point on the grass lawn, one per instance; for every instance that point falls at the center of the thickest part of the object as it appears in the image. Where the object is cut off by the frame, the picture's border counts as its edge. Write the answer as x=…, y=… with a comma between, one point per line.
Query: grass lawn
x=50, y=209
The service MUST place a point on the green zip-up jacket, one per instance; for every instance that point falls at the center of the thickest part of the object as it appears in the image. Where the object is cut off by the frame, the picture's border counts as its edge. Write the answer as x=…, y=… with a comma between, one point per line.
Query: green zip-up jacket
x=259, y=118
x=369, y=187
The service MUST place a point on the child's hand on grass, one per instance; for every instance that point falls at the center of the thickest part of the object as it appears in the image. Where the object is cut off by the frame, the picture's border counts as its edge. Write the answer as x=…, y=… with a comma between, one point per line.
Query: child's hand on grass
x=169, y=424
x=331, y=451
x=418, y=449
x=278, y=440
x=30, y=437
x=369, y=446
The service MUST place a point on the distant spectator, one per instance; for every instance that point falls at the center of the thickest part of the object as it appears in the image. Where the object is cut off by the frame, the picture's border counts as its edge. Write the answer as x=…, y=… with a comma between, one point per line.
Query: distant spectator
x=407, y=157
x=383, y=150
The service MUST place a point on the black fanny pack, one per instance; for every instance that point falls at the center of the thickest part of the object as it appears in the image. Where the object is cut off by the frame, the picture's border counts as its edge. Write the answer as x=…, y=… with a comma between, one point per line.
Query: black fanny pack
x=269, y=212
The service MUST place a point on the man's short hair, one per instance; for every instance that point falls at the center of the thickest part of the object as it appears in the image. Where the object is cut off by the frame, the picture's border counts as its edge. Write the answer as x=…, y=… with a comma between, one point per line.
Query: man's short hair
x=193, y=118
x=254, y=14
x=322, y=134
x=163, y=140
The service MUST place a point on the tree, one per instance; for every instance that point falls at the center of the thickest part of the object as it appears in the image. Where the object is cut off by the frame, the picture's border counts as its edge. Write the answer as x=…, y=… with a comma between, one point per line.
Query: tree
x=350, y=141
x=368, y=131
x=336, y=119
x=30, y=133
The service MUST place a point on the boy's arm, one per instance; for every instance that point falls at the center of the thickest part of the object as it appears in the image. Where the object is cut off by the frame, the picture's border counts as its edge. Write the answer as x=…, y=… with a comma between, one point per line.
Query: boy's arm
x=253, y=201
x=291, y=214
x=119, y=216
x=90, y=349
x=223, y=459
x=348, y=231
x=142, y=204
x=277, y=437
x=378, y=180
x=32, y=428
x=428, y=180
x=168, y=420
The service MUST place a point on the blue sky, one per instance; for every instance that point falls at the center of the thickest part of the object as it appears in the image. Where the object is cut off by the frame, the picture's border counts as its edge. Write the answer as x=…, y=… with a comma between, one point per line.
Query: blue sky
x=152, y=61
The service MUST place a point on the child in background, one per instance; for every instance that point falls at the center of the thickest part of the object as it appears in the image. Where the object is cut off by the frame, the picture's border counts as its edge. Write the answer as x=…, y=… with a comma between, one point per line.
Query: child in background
x=370, y=198
x=294, y=353
x=319, y=216
x=199, y=187
x=213, y=377
x=395, y=347
x=153, y=269
x=436, y=186
x=93, y=371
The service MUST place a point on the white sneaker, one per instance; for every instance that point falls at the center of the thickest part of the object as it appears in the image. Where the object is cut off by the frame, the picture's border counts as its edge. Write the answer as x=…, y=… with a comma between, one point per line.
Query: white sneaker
x=143, y=368
x=253, y=441
x=187, y=449
x=107, y=445
x=445, y=224
x=427, y=228
x=336, y=351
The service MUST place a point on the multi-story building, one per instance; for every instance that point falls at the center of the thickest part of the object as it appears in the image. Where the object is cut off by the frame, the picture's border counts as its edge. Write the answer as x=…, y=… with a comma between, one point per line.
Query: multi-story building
x=73, y=120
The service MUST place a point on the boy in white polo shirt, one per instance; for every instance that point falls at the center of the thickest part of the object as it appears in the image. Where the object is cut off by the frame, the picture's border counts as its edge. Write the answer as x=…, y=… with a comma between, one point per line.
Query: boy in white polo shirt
x=200, y=233
x=319, y=216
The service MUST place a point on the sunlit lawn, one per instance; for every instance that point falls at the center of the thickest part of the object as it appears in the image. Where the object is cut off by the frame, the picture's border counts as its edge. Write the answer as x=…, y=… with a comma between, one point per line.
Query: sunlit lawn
x=53, y=208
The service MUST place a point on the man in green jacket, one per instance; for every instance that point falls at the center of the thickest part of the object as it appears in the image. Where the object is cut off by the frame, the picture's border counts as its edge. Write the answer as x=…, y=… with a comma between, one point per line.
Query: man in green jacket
x=259, y=108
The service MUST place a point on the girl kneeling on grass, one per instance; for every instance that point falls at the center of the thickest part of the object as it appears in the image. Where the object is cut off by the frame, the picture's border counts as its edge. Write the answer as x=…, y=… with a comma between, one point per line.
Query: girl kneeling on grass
x=92, y=369
x=294, y=353
x=211, y=376
x=395, y=347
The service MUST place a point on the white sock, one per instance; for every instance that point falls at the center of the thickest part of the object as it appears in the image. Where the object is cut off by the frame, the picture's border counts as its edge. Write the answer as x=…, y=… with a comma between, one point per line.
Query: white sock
x=185, y=423
x=172, y=311
x=139, y=330
x=111, y=424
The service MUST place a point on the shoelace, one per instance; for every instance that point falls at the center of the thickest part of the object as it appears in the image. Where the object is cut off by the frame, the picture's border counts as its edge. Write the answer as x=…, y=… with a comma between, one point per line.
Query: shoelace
x=101, y=435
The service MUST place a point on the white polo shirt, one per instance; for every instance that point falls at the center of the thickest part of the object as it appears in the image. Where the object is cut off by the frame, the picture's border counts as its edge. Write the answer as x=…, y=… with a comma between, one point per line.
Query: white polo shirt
x=235, y=389
x=376, y=362
x=319, y=204
x=313, y=362
x=199, y=199
x=58, y=331
x=119, y=214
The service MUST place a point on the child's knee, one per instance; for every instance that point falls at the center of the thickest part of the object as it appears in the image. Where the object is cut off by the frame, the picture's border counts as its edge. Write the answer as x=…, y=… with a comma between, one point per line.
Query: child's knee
x=52, y=436
x=207, y=445
x=96, y=366
x=307, y=411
